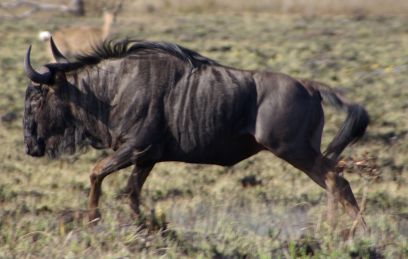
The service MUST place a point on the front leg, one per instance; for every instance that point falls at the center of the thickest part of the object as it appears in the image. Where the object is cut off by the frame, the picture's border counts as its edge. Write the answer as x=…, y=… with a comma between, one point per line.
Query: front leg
x=122, y=158
x=135, y=184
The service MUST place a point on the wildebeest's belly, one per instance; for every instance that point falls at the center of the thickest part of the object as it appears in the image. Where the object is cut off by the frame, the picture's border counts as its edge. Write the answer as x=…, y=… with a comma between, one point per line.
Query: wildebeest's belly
x=224, y=151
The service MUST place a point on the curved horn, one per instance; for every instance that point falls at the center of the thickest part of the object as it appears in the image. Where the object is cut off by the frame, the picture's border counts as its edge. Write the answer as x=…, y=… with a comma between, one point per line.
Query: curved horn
x=34, y=75
x=56, y=53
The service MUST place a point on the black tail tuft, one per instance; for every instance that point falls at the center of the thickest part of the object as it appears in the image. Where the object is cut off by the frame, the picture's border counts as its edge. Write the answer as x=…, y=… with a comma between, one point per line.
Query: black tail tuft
x=351, y=131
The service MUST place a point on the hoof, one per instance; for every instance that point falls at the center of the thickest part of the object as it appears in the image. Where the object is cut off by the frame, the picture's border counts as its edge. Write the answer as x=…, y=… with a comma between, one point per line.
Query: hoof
x=94, y=216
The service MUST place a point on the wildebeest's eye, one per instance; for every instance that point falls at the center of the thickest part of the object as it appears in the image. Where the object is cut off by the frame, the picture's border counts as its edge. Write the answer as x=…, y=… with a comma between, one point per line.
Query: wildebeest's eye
x=37, y=100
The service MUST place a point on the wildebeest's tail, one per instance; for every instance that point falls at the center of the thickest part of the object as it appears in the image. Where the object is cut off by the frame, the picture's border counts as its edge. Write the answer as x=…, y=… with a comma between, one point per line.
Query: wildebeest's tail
x=353, y=127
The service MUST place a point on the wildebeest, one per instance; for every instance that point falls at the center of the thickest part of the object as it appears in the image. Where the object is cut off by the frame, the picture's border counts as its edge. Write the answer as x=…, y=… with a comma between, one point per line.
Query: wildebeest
x=152, y=102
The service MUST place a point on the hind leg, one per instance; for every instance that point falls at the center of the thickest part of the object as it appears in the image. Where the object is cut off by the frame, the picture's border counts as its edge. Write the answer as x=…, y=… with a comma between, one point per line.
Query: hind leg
x=294, y=134
x=340, y=191
x=322, y=170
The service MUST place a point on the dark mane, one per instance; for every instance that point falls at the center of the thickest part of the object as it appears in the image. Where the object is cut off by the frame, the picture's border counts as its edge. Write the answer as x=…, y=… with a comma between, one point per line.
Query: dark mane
x=112, y=49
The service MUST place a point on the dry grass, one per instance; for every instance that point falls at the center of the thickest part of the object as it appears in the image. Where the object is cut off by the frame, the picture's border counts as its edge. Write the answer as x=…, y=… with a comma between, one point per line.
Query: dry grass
x=303, y=7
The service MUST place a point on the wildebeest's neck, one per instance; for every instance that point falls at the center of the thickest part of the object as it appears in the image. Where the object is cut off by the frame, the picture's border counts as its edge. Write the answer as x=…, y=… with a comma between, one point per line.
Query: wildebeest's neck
x=114, y=98
x=89, y=101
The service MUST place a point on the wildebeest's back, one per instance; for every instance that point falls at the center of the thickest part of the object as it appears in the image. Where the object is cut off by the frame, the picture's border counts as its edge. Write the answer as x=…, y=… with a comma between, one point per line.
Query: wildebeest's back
x=208, y=110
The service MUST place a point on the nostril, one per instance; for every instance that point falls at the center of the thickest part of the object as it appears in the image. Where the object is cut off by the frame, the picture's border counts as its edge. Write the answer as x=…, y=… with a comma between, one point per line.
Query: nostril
x=40, y=143
x=40, y=140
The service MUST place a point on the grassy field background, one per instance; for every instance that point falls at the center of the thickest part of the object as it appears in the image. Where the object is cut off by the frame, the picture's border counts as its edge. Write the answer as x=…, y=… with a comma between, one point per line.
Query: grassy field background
x=260, y=208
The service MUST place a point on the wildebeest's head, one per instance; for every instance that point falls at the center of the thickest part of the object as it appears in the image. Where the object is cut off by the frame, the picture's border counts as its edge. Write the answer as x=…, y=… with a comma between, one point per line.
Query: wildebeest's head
x=46, y=114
